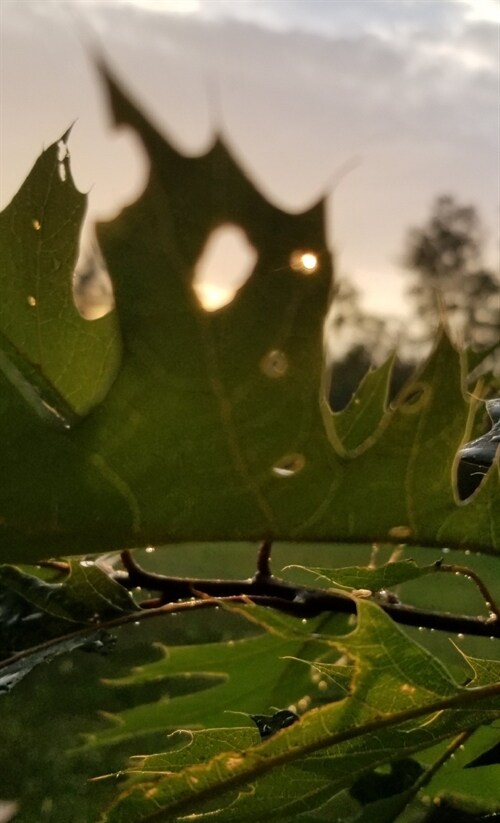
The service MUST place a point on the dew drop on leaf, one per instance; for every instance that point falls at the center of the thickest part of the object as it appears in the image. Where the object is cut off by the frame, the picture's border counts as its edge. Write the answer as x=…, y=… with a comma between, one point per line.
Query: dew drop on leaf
x=31, y=300
x=36, y=225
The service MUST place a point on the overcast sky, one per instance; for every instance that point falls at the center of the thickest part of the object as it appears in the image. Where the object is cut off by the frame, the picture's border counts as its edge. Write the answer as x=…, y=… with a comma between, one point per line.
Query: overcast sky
x=405, y=90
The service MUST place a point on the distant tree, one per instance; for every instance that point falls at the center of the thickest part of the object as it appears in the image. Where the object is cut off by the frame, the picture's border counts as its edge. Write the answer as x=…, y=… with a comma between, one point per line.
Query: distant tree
x=449, y=277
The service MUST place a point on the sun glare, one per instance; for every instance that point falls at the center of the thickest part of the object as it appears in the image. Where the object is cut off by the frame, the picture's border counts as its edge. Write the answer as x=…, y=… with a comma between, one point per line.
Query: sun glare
x=226, y=262
x=305, y=262
x=212, y=297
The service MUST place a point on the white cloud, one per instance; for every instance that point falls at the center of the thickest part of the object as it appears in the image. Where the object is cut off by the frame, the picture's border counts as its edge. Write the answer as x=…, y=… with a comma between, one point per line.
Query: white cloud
x=482, y=10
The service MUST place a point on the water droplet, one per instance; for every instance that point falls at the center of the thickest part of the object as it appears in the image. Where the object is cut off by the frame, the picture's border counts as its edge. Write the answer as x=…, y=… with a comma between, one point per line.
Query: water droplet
x=304, y=262
x=62, y=172
x=445, y=551
x=31, y=300
x=322, y=685
x=137, y=623
x=467, y=552
x=36, y=225
x=304, y=620
x=421, y=628
x=150, y=549
x=289, y=465
x=274, y=364
x=460, y=636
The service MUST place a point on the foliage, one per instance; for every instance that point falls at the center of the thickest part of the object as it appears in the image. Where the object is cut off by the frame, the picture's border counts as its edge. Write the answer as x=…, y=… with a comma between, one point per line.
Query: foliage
x=445, y=256
x=163, y=422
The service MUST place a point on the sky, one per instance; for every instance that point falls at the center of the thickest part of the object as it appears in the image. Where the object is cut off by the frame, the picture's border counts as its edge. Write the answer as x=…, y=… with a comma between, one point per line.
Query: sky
x=381, y=104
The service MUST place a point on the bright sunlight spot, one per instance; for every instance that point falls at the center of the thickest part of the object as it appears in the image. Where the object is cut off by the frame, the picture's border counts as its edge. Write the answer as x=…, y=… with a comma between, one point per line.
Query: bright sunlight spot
x=305, y=262
x=212, y=297
x=225, y=263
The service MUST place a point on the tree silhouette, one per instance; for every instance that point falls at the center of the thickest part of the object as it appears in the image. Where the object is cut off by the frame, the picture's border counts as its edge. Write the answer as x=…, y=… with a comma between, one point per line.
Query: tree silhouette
x=449, y=277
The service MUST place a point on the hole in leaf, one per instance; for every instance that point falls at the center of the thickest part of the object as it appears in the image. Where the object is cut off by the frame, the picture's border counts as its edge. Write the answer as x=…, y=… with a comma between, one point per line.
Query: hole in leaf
x=413, y=398
x=62, y=151
x=274, y=364
x=289, y=465
x=225, y=264
x=304, y=262
x=92, y=288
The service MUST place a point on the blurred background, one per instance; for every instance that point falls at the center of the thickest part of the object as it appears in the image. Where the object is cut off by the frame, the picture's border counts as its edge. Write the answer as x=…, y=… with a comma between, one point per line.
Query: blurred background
x=390, y=108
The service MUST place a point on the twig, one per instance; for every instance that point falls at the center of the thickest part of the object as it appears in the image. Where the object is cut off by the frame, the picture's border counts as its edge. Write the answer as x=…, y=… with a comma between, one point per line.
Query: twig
x=266, y=589
x=426, y=777
x=489, y=601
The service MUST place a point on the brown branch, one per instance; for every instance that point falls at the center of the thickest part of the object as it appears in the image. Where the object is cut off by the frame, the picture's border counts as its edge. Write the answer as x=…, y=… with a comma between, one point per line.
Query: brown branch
x=267, y=590
x=489, y=601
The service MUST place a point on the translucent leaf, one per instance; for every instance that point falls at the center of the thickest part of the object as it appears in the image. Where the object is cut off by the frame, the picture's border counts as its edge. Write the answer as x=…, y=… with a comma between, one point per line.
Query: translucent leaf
x=238, y=678
x=352, y=429
x=397, y=705
x=43, y=610
x=239, y=387
x=63, y=365
x=374, y=579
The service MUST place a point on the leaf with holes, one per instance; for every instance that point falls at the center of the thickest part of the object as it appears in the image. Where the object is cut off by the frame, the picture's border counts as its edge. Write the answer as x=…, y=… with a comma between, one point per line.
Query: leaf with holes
x=262, y=454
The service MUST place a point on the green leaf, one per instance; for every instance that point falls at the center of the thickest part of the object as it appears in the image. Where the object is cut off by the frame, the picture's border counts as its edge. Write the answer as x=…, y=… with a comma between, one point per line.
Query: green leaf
x=260, y=455
x=60, y=363
x=247, y=676
x=374, y=579
x=352, y=429
x=397, y=705
x=43, y=612
x=84, y=594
